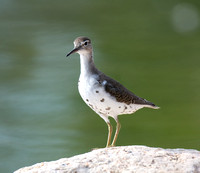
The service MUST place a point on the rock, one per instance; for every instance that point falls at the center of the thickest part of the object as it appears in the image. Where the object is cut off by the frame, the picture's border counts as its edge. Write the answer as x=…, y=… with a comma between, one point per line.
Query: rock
x=135, y=159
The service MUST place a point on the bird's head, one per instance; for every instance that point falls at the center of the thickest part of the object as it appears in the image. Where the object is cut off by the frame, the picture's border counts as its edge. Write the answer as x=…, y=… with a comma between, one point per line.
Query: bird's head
x=82, y=45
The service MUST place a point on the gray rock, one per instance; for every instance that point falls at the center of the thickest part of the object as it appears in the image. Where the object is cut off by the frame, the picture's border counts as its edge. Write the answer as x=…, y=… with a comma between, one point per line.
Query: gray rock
x=135, y=159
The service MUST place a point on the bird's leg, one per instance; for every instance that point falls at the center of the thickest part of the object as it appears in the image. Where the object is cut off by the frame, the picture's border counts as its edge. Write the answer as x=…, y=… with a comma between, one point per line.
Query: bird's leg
x=116, y=133
x=110, y=129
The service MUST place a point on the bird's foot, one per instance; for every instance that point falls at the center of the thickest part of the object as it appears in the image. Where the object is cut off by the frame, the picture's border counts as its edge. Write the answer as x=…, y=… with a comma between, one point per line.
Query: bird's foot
x=110, y=146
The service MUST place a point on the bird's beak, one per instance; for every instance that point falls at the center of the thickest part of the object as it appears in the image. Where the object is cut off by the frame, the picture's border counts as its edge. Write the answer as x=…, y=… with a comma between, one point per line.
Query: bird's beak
x=73, y=51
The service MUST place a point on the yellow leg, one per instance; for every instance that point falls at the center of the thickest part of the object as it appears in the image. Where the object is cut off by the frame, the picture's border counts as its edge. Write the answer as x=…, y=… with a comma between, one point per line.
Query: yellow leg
x=116, y=133
x=109, y=134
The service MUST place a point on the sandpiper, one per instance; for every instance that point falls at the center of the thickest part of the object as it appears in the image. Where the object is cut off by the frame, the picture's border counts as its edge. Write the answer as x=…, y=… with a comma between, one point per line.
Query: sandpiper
x=104, y=95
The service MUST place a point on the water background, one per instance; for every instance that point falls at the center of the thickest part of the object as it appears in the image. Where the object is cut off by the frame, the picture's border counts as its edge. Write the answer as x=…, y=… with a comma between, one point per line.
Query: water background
x=152, y=47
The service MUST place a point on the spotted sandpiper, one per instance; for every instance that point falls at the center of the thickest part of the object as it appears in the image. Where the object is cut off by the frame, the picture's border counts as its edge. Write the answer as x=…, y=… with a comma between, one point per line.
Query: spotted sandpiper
x=104, y=95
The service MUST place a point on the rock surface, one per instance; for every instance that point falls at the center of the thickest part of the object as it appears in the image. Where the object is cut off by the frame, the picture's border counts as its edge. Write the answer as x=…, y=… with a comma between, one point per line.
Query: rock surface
x=135, y=159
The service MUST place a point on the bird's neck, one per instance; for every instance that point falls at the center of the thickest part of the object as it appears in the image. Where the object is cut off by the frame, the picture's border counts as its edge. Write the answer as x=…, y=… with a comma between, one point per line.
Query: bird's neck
x=87, y=64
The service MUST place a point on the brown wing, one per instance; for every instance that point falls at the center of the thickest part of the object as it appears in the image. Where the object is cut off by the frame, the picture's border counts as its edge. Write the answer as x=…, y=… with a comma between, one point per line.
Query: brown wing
x=121, y=94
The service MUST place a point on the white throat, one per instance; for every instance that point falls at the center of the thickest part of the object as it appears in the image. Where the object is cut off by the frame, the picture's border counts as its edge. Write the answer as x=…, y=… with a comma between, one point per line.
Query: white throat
x=87, y=63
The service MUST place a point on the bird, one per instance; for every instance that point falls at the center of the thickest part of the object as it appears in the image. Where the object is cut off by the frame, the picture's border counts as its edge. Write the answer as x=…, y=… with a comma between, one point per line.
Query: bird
x=104, y=95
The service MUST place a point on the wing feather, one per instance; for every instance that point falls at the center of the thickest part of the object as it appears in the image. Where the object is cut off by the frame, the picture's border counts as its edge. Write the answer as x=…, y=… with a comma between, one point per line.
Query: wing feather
x=121, y=94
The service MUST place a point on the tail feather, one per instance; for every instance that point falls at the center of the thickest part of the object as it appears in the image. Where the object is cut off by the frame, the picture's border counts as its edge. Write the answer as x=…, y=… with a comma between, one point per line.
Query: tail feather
x=155, y=107
x=152, y=106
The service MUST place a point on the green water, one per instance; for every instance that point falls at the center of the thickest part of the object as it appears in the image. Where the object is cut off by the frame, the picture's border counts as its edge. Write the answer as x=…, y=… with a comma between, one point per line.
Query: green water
x=152, y=47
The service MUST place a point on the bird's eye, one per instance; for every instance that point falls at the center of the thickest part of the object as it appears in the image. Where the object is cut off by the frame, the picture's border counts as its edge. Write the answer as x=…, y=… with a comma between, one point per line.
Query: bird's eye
x=85, y=43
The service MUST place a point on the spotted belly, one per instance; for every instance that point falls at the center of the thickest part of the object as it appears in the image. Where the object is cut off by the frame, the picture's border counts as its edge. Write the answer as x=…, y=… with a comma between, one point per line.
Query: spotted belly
x=103, y=103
